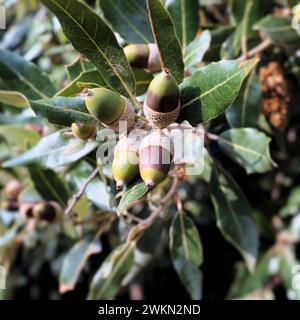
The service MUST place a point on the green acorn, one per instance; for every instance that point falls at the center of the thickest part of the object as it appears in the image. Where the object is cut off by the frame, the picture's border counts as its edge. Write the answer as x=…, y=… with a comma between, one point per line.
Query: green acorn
x=50, y=212
x=143, y=56
x=125, y=166
x=162, y=103
x=84, y=131
x=156, y=153
x=109, y=107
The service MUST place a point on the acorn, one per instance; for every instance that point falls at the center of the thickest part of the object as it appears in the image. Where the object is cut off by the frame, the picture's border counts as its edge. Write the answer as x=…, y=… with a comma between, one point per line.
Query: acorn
x=125, y=166
x=13, y=189
x=156, y=153
x=26, y=210
x=145, y=56
x=50, y=212
x=10, y=205
x=162, y=104
x=84, y=131
x=109, y=107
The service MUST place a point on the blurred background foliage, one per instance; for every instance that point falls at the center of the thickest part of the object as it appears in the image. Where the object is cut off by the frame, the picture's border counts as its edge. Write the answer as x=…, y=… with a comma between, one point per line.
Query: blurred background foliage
x=65, y=261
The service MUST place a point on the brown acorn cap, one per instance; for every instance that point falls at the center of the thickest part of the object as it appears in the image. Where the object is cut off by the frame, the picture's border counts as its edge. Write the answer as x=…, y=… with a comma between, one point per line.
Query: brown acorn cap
x=161, y=120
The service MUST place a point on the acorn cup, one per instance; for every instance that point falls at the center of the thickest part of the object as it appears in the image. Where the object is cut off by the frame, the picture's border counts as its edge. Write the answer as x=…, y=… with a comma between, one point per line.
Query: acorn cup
x=143, y=56
x=109, y=107
x=125, y=166
x=156, y=154
x=50, y=212
x=84, y=131
x=162, y=104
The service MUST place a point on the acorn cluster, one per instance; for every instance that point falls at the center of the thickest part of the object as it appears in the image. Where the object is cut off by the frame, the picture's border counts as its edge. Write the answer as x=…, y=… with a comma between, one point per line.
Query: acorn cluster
x=150, y=157
x=11, y=193
x=47, y=211
x=275, y=95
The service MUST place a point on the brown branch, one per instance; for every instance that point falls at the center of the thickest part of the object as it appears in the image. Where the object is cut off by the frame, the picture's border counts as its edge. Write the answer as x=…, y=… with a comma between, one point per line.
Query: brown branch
x=150, y=220
x=132, y=217
x=179, y=204
x=244, y=47
x=214, y=10
x=212, y=136
x=81, y=191
x=265, y=44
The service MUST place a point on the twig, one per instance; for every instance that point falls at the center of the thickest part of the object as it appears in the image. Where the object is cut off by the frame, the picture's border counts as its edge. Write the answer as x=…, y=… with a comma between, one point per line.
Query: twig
x=88, y=221
x=244, y=47
x=256, y=50
x=244, y=27
x=214, y=10
x=132, y=217
x=150, y=220
x=179, y=204
x=81, y=191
